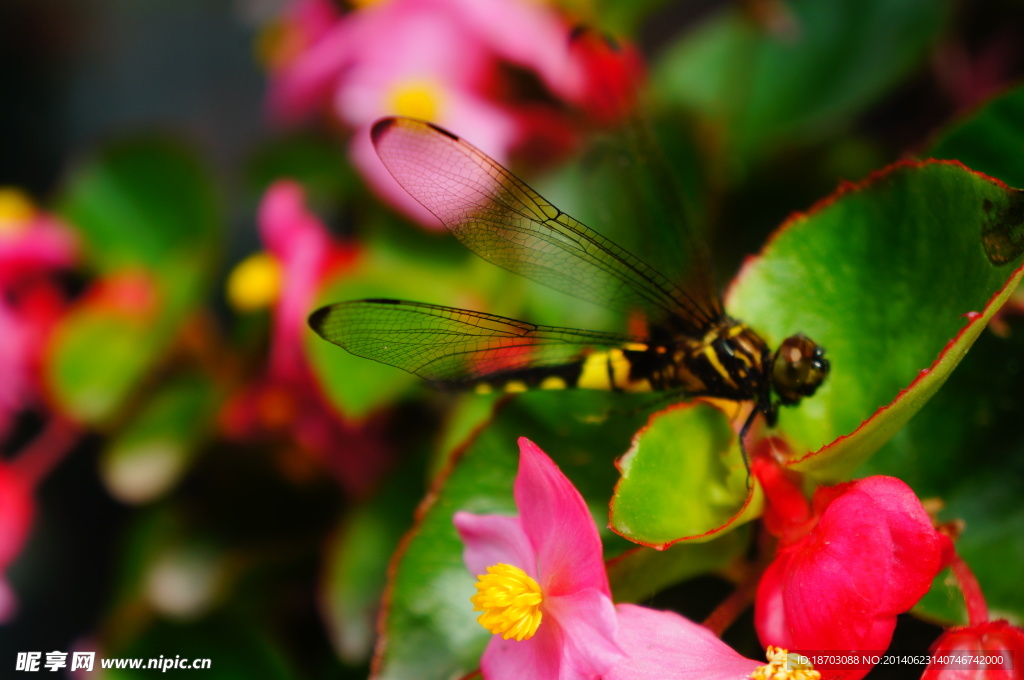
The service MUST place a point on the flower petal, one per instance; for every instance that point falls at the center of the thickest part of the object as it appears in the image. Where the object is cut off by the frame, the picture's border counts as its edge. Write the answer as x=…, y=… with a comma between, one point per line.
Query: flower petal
x=834, y=579
x=559, y=526
x=589, y=626
x=537, y=658
x=871, y=556
x=998, y=640
x=917, y=548
x=666, y=646
x=494, y=539
x=301, y=243
x=770, y=608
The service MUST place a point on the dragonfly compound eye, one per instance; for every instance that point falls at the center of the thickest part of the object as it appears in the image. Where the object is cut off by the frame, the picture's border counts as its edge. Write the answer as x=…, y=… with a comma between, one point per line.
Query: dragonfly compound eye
x=798, y=369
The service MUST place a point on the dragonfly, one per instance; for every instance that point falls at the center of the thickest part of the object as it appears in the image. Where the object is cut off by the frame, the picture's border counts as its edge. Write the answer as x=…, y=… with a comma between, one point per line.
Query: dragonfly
x=691, y=346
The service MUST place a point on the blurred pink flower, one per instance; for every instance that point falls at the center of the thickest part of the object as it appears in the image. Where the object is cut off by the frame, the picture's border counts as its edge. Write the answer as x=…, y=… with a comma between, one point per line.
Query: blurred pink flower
x=544, y=594
x=846, y=565
x=287, y=400
x=307, y=255
x=459, y=63
x=34, y=247
x=33, y=244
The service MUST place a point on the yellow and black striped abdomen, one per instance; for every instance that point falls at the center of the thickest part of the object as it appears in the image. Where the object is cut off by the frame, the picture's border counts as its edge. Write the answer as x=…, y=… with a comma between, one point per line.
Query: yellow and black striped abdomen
x=634, y=367
x=728, y=363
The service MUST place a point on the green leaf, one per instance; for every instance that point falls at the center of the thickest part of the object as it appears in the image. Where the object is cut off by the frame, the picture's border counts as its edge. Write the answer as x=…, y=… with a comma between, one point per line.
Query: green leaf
x=989, y=140
x=429, y=629
x=154, y=450
x=318, y=164
x=621, y=18
x=99, y=353
x=683, y=478
x=965, y=449
x=824, y=63
x=148, y=216
x=640, y=573
x=895, y=278
x=147, y=204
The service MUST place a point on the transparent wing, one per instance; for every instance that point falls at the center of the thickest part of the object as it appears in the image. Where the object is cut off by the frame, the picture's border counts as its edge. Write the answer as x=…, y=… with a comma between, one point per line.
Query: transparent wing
x=500, y=218
x=452, y=347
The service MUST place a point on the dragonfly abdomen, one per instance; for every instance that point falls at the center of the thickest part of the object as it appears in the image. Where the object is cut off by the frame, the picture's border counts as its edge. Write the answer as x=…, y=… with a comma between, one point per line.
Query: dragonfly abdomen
x=634, y=367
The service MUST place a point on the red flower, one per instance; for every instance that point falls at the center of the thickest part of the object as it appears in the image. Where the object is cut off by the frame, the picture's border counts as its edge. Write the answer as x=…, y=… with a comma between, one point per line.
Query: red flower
x=16, y=509
x=846, y=566
x=989, y=651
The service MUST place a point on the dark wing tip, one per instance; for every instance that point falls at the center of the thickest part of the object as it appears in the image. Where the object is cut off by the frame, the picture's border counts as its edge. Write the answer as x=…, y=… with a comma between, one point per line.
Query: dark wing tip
x=379, y=128
x=318, y=319
x=438, y=128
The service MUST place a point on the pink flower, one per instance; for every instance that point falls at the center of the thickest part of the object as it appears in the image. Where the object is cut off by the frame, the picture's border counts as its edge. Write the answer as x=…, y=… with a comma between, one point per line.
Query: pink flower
x=543, y=586
x=846, y=566
x=544, y=594
x=665, y=646
x=954, y=653
x=34, y=246
x=306, y=255
x=447, y=61
x=287, y=401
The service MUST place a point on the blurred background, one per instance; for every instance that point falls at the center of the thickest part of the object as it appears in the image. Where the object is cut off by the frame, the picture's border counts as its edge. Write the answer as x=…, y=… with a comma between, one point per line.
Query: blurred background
x=186, y=469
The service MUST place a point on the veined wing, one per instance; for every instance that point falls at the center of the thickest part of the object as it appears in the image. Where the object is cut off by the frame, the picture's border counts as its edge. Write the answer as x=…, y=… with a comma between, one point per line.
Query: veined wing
x=452, y=347
x=500, y=218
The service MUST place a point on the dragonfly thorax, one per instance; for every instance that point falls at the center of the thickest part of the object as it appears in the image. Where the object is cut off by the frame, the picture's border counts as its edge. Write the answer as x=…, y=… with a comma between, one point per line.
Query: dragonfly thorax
x=731, y=361
x=728, y=362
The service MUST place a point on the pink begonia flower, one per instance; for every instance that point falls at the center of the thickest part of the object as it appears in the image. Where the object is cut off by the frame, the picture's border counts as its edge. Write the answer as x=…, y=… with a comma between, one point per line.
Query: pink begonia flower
x=544, y=594
x=446, y=61
x=16, y=510
x=287, y=400
x=988, y=651
x=846, y=565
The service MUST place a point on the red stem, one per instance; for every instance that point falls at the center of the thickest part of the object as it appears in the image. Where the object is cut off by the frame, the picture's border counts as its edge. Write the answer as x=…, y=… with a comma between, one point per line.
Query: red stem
x=731, y=607
x=39, y=458
x=974, y=599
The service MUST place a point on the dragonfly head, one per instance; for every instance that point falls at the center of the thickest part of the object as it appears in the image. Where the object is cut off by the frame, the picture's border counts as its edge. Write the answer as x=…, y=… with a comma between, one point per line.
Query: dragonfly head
x=798, y=368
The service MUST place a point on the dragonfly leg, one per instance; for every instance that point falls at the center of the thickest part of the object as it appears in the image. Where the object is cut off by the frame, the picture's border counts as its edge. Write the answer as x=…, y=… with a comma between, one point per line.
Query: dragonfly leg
x=743, y=447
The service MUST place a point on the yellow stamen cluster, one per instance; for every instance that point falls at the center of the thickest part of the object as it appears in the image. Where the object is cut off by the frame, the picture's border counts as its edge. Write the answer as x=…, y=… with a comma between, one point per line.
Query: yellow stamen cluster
x=416, y=99
x=16, y=210
x=784, y=666
x=255, y=283
x=510, y=602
